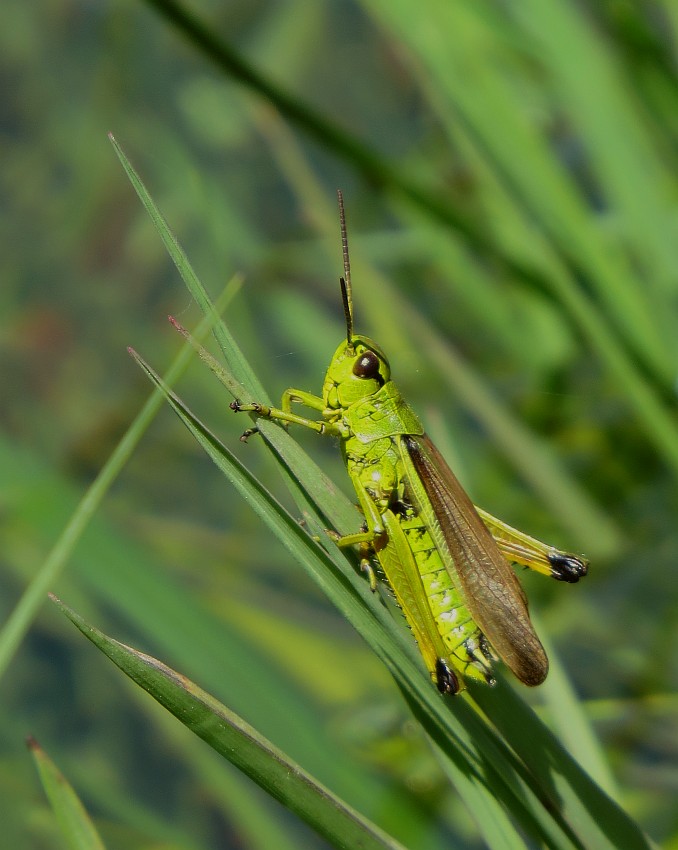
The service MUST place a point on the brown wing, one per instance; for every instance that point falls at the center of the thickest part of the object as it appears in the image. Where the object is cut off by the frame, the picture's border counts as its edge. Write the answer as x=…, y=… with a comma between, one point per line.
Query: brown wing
x=490, y=588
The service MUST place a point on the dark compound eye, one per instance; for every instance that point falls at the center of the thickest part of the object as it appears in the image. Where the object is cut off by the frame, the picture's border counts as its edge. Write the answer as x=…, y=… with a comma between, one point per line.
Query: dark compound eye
x=367, y=365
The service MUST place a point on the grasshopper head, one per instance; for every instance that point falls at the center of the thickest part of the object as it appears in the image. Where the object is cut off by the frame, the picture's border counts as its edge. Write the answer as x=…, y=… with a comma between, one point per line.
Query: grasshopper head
x=359, y=367
x=357, y=370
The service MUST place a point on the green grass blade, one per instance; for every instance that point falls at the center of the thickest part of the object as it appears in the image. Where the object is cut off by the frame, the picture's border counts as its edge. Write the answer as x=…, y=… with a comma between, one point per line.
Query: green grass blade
x=239, y=365
x=19, y=621
x=616, y=134
x=251, y=816
x=77, y=830
x=596, y=819
x=569, y=719
x=241, y=381
x=242, y=745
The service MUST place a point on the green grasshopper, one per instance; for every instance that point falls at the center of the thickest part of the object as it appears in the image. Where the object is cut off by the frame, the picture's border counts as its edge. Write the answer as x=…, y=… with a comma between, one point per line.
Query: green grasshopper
x=447, y=562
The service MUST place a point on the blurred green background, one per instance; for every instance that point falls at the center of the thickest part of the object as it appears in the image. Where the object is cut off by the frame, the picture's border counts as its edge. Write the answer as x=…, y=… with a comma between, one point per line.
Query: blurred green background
x=514, y=250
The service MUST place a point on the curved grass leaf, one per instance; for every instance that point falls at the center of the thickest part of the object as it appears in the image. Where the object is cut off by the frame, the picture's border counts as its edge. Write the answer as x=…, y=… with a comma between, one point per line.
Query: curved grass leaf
x=242, y=745
x=78, y=831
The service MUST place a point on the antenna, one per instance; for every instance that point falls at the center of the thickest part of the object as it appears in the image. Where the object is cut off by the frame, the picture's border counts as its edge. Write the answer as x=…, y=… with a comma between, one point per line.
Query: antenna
x=345, y=281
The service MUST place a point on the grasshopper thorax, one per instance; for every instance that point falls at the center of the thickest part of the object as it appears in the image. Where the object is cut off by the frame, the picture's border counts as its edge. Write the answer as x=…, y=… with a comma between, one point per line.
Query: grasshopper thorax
x=357, y=370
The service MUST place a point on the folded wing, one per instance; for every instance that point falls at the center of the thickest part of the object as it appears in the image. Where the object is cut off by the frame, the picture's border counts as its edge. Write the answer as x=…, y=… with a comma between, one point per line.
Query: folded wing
x=490, y=588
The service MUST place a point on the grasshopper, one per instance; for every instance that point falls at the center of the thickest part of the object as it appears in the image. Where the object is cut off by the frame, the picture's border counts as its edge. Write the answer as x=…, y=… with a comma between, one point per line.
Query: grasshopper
x=448, y=563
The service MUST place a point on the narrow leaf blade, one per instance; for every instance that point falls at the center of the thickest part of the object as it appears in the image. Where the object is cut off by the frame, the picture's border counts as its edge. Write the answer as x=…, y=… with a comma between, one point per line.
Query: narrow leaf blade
x=76, y=827
x=242, y=745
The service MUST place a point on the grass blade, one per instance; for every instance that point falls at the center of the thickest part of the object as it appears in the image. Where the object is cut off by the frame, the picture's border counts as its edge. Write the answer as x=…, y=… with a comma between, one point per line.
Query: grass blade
x=19, y=621
x=78, y=831
x=242, y=745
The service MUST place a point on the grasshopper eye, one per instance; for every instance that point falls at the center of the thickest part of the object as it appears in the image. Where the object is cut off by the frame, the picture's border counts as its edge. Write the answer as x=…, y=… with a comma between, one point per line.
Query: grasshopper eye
x=367, y=365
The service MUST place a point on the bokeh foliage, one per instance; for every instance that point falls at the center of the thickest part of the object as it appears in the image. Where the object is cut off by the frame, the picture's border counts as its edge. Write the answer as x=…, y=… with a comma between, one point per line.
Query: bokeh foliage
x=514, y=249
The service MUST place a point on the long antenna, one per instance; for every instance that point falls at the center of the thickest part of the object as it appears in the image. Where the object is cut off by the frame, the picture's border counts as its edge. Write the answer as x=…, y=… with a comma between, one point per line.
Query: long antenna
x=345, y=281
